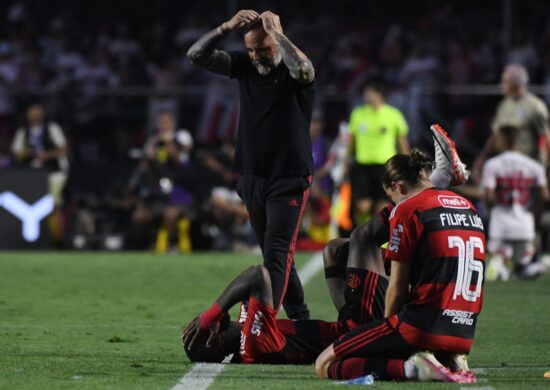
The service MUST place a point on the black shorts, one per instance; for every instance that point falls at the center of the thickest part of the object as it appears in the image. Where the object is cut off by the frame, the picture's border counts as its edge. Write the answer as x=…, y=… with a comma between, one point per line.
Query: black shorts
x=366, y=181
x=369, y=304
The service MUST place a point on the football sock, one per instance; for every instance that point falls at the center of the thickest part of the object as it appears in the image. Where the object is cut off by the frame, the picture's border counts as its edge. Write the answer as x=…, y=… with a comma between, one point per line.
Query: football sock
x=356, y=367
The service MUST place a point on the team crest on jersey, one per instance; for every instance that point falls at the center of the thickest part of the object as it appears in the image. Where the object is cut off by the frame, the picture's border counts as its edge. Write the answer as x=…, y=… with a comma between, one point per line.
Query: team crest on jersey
x=354, y=281
x=257, y=324
x=453, y=202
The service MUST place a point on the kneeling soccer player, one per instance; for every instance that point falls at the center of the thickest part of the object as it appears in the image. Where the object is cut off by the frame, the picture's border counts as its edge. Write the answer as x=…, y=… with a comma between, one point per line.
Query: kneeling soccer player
x=437, y=246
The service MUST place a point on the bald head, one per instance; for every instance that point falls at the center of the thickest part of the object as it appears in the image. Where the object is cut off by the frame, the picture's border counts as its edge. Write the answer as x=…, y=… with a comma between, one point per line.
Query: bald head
x=514, y=80
x=262, y=50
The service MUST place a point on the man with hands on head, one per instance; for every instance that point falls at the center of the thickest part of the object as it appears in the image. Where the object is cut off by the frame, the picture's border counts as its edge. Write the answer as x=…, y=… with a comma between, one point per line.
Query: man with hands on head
x=273, y=147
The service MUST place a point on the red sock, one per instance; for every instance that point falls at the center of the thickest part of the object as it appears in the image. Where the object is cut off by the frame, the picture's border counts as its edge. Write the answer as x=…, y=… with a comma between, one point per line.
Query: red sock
x=356, y=367
x=396, y=369
x=347, y=369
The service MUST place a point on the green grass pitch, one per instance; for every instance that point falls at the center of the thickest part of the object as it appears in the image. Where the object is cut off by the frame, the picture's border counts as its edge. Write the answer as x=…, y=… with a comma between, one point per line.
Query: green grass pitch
x=92, y=320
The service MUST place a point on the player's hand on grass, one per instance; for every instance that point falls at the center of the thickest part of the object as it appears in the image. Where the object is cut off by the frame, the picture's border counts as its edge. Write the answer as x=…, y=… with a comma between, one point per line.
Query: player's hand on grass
x=241, y=19
x=271, y=23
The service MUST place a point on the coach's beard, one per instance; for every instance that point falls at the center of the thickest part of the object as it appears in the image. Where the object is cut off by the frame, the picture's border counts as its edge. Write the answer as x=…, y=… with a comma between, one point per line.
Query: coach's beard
x=265, y=68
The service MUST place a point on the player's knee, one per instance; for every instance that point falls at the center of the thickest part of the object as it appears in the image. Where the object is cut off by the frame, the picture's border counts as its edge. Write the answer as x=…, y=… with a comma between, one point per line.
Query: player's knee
x=261, y=288
x=329, y=252
x=260, y=276
x=362, y=233
x=263, y=275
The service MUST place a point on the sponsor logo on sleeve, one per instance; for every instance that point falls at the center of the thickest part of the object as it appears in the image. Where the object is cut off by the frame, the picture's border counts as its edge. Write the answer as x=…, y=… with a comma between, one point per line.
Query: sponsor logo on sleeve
x=395, y=239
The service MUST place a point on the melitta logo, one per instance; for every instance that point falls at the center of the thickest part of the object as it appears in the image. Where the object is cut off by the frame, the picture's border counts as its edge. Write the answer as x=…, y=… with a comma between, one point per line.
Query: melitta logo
x=453, y=202
x=30, y=215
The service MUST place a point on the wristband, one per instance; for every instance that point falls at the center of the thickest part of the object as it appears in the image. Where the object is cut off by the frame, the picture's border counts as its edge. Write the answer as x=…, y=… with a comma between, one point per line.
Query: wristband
x=214, y=314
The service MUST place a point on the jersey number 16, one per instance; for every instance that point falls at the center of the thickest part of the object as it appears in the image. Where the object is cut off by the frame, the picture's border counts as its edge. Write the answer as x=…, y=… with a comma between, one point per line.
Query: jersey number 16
x=467, y=266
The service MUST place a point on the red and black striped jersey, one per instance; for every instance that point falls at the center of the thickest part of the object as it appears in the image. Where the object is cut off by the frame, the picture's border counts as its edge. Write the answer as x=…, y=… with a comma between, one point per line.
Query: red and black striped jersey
x=441, y=235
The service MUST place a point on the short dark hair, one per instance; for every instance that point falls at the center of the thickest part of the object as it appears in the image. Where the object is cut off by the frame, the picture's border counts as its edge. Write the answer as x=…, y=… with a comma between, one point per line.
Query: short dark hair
x=510, y=134
x=377, y=84
x=226, y=342
x=406, y=167
x=200, y=353
x=255, y=25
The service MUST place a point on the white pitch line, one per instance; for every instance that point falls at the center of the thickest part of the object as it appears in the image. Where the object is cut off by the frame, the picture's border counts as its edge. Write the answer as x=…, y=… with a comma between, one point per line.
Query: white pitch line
x=480, y=381
x=478, y=388
x=478, y=370
x=202, y=375
x=86, y=326
x=310, y=269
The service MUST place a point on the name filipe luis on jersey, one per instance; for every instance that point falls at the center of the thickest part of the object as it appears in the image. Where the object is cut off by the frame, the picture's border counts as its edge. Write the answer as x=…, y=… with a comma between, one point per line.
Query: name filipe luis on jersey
x=459, y=219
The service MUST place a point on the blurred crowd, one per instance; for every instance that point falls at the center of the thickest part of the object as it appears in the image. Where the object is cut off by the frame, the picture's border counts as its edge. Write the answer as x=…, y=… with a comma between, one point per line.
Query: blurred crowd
x=152, y=135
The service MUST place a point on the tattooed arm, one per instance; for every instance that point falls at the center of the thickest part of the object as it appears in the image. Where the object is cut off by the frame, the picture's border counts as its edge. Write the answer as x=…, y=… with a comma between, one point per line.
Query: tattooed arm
x=300, y=67
x=203, y=52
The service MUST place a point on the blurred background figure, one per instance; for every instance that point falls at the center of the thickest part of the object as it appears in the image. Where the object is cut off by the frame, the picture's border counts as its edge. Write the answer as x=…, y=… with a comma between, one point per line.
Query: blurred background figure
x=9, y=72
x=224, y=214
x=160, y=189
x=523, y=110
x=528, y=113
x=336, y=165
x=316, y=218
x=514, y=188
x=41, y=144
x=378, y=131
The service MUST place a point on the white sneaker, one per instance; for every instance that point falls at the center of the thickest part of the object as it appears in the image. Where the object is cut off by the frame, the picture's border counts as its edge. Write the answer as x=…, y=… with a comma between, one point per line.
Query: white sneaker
x=447, y=158
x=459, y=362
x=459, y=365
x=430, y=369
